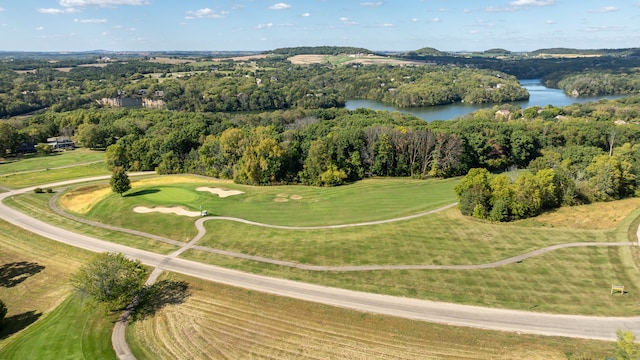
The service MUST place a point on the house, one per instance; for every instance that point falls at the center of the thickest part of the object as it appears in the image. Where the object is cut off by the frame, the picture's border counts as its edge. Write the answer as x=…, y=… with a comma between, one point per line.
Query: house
x=60, y=143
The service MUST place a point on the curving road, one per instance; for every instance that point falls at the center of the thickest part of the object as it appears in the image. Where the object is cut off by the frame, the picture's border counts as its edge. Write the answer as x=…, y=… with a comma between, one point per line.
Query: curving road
x=591, y=327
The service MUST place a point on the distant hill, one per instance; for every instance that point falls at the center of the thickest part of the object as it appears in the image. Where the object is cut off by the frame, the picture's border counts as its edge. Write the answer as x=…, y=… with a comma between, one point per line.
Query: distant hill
x=497, y=51
x=426, y=51
x=586, y=52
x=319, y=50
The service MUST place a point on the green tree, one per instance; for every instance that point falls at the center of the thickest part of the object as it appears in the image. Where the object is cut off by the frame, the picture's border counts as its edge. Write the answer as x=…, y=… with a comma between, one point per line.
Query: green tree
x=111, y=280
x=474, y=193
x=119, y=181
x=626, y=346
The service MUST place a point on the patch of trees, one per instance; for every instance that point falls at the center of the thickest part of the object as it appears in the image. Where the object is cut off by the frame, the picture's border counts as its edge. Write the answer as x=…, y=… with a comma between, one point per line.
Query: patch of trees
x=596, y=83
x=319, y=50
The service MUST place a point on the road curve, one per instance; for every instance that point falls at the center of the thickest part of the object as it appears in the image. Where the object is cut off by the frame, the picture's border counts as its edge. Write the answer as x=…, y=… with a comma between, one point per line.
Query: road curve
x=590, y=327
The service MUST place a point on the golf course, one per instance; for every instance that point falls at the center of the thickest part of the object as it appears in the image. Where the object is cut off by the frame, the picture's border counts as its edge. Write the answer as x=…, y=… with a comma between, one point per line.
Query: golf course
x=386, y=236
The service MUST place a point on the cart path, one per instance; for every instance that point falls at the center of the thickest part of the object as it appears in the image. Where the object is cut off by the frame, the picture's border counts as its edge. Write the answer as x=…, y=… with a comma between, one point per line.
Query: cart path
x=576, y=326
x=202, y=231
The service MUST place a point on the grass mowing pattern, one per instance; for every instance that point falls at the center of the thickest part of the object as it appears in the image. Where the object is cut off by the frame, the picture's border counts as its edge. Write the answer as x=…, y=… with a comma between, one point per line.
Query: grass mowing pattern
x=70, y=332
x=444, y=238
x=67, y=158
x=16, y=181
x=33, y=329
x=219, y=321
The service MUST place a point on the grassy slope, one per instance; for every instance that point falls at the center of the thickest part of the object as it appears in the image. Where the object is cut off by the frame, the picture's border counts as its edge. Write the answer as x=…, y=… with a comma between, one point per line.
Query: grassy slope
x=223, y=322
x=67, y=158
x=37, y=325
x=17, y=181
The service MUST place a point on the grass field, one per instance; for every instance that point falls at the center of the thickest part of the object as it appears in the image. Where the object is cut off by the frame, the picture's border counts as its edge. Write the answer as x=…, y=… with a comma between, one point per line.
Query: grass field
x=71, y=331
x=37, y=205
x=67, y=158
x=224, y=322
x=16, y=181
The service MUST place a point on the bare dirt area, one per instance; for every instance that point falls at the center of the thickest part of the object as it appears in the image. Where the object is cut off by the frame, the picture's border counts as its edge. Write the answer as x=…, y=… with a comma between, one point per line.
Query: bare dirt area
x=220, y=192
x=100, y=65
x=177, y=210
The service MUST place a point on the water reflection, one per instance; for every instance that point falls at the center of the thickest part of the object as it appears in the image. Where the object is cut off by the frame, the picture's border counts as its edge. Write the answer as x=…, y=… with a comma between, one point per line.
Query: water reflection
x=540, y=95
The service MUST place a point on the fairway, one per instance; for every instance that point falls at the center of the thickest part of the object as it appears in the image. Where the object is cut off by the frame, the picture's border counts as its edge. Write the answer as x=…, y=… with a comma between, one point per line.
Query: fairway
x=35, y=163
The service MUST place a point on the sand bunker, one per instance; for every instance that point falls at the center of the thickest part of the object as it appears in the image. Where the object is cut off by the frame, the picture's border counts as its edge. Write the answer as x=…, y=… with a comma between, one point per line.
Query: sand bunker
x=221, y=193
x=167, y=210
x=286, y=197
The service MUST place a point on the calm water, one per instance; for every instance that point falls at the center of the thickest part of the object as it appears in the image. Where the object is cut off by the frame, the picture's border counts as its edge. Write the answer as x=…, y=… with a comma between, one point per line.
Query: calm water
x=539, y=95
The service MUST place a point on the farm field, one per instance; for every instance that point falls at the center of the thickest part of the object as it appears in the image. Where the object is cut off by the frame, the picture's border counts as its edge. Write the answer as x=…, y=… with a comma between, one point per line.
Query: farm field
x=224, y=322
x=344, y=59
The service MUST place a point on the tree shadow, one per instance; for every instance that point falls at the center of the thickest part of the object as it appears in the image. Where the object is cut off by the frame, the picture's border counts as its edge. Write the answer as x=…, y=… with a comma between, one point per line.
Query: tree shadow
x=143, y=192
x=15, y=323
x=159, y=295
x=14, y=273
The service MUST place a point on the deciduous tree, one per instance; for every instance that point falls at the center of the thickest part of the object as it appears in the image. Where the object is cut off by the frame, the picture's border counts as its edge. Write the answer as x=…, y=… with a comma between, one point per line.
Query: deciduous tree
x=120, y=182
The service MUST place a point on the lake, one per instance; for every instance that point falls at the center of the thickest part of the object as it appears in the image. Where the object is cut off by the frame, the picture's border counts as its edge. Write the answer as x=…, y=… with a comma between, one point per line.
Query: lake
x=539, y=95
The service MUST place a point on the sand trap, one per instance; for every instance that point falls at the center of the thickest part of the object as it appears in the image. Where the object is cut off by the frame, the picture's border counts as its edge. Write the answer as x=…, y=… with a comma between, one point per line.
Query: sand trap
x=221, y=193
x=279, y=199
x=167, y=210
x=296, y=197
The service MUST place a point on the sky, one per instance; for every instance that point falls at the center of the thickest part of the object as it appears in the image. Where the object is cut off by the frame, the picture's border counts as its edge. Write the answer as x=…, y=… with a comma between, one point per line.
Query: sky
x=258, y=25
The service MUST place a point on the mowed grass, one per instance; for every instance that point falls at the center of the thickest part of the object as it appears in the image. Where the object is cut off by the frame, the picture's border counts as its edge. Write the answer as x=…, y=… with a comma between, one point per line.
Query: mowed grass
x=44, y=321
x=71, y=331
x=37, y=205
x=368, y=200
x=572, y=281
x=219, y=321
x=34, y=163
x=16, y=181
x=444, y=238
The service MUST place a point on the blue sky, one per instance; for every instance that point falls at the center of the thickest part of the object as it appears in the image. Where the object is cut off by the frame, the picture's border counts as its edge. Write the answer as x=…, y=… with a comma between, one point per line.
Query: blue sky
x=517, y=25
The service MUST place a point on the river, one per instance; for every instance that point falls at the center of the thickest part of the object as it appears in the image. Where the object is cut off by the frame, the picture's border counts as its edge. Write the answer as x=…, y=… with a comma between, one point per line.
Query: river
x=539, y=95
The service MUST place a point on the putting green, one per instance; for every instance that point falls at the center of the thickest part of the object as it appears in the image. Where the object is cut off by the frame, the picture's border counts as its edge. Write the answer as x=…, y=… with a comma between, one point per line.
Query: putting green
x=170, y=194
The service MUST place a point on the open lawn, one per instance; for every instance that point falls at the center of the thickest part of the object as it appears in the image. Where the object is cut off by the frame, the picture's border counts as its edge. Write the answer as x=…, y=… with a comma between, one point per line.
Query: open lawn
x=367, y=200
x=71, y=331
x=34, y=283
x=34, y=163
x=575, y=280
x=16, y=181
x=219, y=321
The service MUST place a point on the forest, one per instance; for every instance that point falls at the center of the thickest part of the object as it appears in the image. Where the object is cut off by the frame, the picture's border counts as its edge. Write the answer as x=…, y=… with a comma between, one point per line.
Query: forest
x=267, y=122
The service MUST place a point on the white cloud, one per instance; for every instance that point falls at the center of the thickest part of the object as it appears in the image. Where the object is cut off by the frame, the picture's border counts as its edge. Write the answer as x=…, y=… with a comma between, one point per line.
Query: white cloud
x=90, y=21
x=101, y=3
x=372, y=4
x=603, y=28
x=387, y=25
x=265, y=26
x=435, y=20
x=50, y=11
x=40, y=28
x=532, y=2
x=280, y=6
x=605, y=9
x=205, y=13
x=493, y=9
x=306, y=14
x=104, y=33
x=54, y=11
x=414, y=20
x=550, y=22
x=1, y=9
x=347, y=21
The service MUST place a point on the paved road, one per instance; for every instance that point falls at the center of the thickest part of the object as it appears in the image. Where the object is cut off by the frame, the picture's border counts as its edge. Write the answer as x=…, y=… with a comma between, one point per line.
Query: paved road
x=602, y=328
